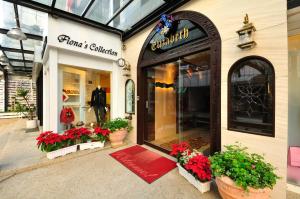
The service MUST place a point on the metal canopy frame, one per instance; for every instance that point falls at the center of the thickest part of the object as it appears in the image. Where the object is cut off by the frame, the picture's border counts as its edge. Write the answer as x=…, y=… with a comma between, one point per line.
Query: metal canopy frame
x=167, y=7
x=23, y=69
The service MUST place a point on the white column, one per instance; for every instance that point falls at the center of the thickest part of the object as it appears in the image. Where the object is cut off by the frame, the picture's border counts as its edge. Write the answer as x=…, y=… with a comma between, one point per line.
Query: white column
x=54, y=93
x=46, y=90
x=117, y=92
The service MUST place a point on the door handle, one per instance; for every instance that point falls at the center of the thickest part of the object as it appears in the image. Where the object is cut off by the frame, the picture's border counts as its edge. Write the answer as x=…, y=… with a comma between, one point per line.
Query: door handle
x=147, y=104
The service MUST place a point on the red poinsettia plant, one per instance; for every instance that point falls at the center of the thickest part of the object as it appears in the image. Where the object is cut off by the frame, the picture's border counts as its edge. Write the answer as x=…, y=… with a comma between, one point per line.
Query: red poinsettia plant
x=102, y=134
x=49, y=141
x=78, y=135
x=199, y=167
x=193, y=161
x=179, y=149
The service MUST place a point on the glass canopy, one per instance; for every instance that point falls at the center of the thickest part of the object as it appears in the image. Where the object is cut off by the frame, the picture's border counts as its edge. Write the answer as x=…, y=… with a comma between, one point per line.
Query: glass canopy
x=33, y=23
x=124, y=17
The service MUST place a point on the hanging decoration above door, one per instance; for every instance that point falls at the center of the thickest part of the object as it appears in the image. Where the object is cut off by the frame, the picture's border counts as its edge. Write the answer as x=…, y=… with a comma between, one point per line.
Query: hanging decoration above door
x=166, y=24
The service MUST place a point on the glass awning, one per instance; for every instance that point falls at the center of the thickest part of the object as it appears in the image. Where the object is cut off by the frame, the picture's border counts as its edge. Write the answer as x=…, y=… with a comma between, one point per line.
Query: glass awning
x=122, y=17
x=20, y=54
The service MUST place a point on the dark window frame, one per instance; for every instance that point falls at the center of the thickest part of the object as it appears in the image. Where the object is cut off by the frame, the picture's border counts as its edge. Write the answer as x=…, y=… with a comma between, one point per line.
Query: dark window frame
x=230, y=122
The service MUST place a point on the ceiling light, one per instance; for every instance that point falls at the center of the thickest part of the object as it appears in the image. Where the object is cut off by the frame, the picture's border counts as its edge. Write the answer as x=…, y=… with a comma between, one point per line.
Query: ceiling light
x=16, y=33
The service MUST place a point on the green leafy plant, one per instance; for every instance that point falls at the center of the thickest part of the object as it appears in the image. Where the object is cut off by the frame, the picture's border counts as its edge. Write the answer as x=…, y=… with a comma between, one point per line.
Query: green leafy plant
x=117, y=124
x=27, y=107
x=246, y=170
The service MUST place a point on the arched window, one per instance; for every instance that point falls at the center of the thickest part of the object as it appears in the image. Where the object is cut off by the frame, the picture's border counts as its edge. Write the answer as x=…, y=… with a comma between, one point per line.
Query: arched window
x=251, y=96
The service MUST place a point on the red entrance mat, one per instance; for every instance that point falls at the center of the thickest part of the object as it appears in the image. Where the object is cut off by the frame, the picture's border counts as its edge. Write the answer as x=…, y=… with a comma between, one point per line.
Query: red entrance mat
x=148, y=165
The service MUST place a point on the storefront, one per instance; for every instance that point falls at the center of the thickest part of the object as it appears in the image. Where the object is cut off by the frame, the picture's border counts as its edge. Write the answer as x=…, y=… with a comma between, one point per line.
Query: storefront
x=78, y=60
x=202, y=83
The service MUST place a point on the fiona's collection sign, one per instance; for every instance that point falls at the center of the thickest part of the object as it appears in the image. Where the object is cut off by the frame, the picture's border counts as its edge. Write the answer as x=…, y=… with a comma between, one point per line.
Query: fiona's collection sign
x=85, y=45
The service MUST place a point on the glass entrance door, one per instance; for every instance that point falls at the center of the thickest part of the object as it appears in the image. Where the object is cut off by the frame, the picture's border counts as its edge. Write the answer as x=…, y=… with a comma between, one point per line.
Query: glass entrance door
x=178, y=103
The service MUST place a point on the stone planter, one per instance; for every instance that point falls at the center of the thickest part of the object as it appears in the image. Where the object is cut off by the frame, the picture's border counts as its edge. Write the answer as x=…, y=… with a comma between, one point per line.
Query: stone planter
x=31, y=124
x=91, y=145
x=228, y=190
x=117, y=137
x=201, y=186
x=61, y=152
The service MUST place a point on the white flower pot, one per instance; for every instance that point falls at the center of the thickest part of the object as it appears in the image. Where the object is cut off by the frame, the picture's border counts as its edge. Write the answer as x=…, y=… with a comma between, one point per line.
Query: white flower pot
x=61, y=152
x=91, y=145
x=201, y=186
x=31, y=124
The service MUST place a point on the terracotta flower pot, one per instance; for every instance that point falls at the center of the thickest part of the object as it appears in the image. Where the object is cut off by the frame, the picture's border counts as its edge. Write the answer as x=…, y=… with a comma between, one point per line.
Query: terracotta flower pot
x=117, y=137
x=228, y=190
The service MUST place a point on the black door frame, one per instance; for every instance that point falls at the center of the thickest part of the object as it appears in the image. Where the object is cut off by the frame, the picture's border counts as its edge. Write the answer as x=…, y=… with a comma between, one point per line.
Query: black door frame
x=212, y=43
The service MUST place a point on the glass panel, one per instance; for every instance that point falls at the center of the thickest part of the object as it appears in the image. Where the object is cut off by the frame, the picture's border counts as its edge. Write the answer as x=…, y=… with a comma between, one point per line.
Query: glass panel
x=17, y=63
x=29, y=44
x=46, y=2
x=71, y=93
x=136, y=11
x=101, y=11
x=193, y=93
x=14, y=55
x=73, y=6
x=7, y=15
x=29, y=65
x=178, y=103
x=93, y=79
x=252, y=96
x=28, y=56
x=5, y=41
x=32, y=21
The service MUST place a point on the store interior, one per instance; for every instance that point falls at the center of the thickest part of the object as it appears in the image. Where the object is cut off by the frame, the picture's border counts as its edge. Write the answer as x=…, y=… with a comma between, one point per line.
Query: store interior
x=179, y=103
x=78, y=85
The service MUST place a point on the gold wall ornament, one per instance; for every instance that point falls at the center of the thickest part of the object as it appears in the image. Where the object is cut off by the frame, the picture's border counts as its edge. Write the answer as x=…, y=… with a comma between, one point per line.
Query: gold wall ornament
x=246, y=35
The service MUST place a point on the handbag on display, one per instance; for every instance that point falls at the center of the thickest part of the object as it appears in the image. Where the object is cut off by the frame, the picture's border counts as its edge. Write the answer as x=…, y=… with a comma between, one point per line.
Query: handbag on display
x=67, y=115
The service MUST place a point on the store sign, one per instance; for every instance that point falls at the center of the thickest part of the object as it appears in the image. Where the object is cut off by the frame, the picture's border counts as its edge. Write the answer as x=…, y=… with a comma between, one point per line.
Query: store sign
x=84, y=45
x=172, y=39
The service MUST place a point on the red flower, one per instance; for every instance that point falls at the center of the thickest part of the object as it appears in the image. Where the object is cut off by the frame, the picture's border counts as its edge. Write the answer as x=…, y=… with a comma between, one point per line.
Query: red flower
x=178, y=149
x=200, y=167
x=102, y=134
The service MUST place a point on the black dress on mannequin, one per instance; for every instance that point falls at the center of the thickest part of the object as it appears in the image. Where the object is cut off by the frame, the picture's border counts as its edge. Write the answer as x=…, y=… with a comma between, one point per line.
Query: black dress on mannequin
x=98, y=102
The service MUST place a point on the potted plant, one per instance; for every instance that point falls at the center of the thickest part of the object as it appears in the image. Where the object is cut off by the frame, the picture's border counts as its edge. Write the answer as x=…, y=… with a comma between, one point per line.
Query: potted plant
x=242, y=175
x=55, y=144
x=119, y=129
x=193, y=166
x=31, y=123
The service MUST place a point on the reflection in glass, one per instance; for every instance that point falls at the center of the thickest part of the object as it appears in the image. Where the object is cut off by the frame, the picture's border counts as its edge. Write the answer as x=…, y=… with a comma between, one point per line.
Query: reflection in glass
x=75, y=6
x=136, y=11
x=178, y=103
x=5, y=41
x=252, y=96
x=14, y=55
x=7, y=15
x=30, y=44
x=46, y=2
x=33, y=21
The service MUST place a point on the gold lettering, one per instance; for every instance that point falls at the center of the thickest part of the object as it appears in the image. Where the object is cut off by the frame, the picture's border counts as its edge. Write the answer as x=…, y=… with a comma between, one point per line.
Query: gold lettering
x=172, y=38
x=153, y=46
x=176, y=37
x=185, y=33
x=167, y=41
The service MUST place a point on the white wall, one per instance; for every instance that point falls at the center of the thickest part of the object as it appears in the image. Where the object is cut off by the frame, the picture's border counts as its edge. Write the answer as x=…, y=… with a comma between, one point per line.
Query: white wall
x=57, y=54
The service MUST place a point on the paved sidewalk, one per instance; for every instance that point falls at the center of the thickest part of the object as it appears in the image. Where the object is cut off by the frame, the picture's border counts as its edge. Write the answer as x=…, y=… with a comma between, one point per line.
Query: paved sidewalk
x=17, y=148
x=96, y=175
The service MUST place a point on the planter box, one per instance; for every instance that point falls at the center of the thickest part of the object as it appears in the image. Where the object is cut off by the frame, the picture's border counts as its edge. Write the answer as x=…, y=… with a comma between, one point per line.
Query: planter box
x=201, y=186
x=91, y=145
x=61, y=152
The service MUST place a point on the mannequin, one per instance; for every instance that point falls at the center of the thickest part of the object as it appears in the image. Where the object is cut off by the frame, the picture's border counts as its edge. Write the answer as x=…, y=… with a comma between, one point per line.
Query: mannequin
x=98, y=102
